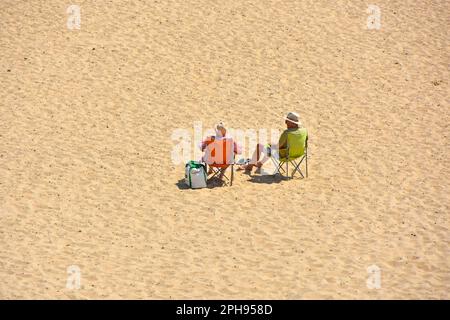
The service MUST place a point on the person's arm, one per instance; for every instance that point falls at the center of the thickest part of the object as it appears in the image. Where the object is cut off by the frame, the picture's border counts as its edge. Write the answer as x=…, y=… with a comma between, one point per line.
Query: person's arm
x=205, y=143
x=282, y=142
x=237, y=148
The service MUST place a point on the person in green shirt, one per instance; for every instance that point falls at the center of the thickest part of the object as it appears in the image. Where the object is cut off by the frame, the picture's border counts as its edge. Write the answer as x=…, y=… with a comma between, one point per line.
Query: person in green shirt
x=293, y=132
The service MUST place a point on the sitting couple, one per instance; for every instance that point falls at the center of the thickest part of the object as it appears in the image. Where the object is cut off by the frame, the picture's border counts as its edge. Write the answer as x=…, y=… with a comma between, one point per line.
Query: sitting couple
x=292, y=140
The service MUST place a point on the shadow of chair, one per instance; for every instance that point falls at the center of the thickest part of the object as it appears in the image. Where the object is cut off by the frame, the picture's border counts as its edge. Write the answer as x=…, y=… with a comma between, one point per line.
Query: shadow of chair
x=267, y=179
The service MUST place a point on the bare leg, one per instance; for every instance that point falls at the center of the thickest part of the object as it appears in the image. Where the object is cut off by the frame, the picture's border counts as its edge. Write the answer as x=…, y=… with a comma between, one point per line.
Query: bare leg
x=256, y=161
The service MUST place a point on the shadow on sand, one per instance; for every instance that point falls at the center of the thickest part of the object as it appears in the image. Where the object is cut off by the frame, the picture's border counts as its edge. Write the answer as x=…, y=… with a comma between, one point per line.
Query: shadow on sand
x=182, y=185
x=216, y=182
x=210, y=184
x=268, y=179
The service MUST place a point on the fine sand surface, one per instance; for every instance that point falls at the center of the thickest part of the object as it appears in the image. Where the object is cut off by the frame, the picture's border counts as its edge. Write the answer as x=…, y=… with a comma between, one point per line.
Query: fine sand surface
x=86, y=176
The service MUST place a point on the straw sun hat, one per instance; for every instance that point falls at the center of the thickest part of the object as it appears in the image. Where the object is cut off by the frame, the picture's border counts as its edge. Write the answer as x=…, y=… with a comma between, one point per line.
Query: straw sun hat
x=293, y=117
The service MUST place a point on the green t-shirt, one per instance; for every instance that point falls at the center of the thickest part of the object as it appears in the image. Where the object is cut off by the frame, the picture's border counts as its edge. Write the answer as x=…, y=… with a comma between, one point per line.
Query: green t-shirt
x=295, y=138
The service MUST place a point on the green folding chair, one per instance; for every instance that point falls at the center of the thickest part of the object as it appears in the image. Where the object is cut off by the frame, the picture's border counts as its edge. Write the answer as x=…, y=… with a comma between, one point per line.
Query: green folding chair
x=296, y=153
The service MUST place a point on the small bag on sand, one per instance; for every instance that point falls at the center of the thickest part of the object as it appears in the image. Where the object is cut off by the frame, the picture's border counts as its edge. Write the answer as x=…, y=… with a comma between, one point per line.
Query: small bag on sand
x=195, y=175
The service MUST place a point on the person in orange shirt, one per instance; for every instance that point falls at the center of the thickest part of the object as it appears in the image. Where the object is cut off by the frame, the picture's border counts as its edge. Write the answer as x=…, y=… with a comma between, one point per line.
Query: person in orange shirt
x=212, y=157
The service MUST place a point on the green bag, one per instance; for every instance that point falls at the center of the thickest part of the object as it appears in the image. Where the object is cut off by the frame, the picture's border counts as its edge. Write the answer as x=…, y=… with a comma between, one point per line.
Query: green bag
x=195, y=175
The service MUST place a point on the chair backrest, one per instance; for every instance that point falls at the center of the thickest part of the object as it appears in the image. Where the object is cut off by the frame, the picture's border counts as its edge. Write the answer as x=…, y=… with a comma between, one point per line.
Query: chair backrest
x=297, y=143
x=220, y=152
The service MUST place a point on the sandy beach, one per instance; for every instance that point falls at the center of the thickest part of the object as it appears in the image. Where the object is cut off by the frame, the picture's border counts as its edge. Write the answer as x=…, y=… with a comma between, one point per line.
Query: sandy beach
x=87, y=178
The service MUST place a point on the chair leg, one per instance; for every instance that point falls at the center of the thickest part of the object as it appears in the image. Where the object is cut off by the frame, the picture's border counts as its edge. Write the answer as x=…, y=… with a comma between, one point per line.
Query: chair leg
x=219, y=171
x=232, y=175
x=300, y=171
x=287, y=169
x=279, y=166
x=296, y=169
x=214, y=173
x=306, y=162
x=294, y=165
x=224, y=179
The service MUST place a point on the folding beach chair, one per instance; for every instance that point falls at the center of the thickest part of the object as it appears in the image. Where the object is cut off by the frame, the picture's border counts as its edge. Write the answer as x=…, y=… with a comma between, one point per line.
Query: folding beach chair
x=219, y=156
x=296, y=153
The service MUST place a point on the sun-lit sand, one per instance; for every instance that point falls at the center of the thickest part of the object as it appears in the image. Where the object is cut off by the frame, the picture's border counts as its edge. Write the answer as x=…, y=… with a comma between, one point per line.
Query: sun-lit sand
x=87, y=180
